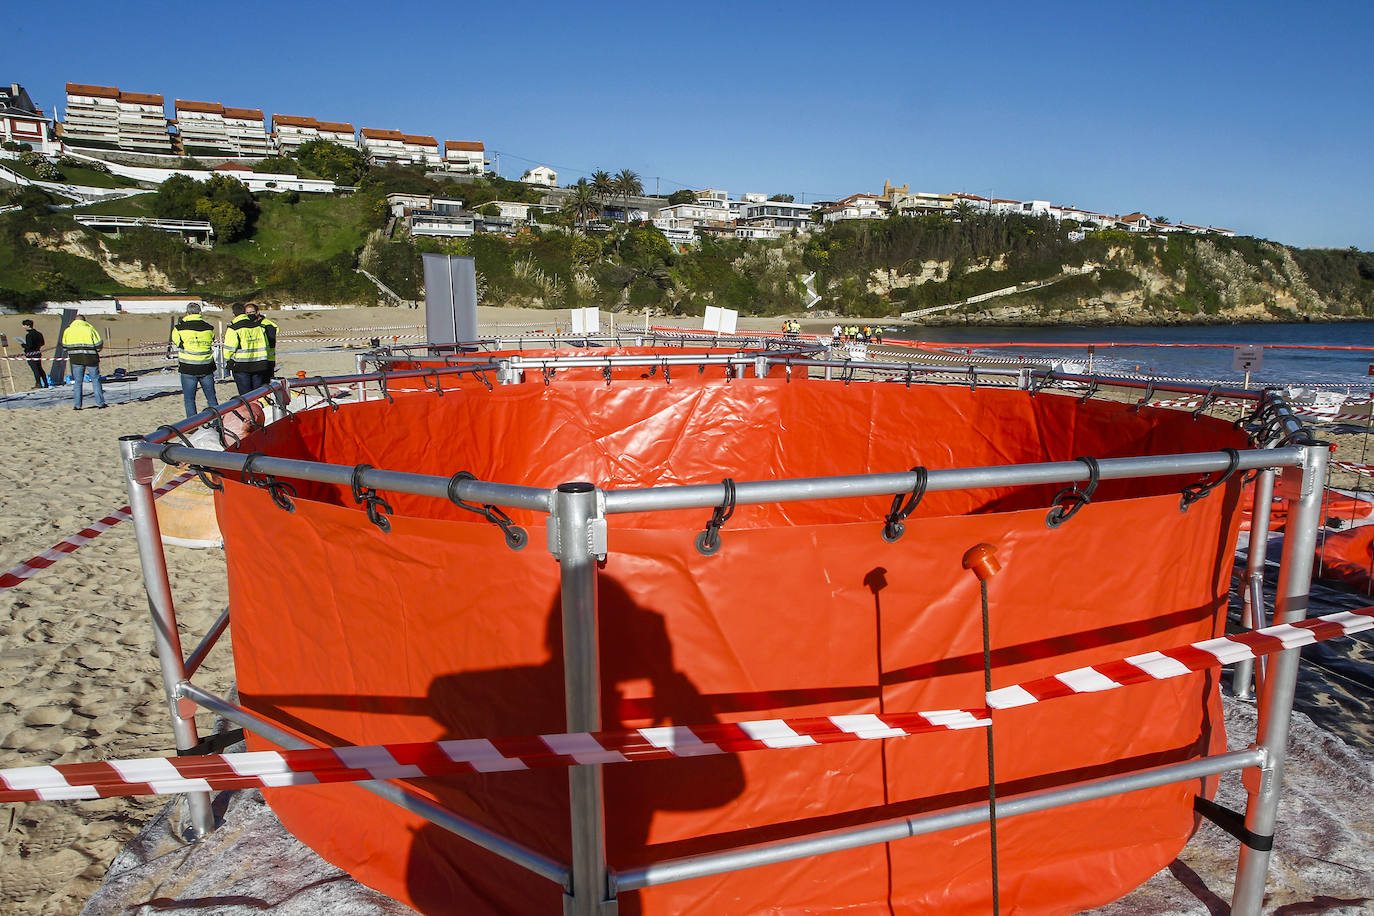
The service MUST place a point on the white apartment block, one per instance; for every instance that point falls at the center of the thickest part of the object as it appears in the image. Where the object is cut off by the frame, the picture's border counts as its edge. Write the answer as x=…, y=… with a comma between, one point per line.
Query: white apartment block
x=468, y=157
x=922, y=202
x=21, y=121
x=133, y=121
x=541, y=175
x=290, y=133
x=775, y=214
x=208, y=128
x=392, y=146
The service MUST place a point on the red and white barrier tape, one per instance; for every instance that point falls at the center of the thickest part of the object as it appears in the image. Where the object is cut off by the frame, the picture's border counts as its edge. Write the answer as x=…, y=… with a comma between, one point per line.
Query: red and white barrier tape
x=31, y=568
x=1352, y=466
x=272, y=769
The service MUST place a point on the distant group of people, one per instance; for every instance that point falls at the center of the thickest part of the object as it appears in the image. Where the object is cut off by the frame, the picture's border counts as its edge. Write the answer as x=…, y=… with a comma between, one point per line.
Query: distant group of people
x=250, y=354
x=854, y=332
x=791, y=327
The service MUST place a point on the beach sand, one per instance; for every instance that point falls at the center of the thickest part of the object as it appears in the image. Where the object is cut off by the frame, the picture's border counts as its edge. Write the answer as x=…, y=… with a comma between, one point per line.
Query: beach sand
x=77, y=678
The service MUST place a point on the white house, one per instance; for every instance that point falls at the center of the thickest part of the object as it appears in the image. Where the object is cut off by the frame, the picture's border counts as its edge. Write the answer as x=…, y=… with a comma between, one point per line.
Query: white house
x=421, y=150
x=468, y=157
x=542, y=175
x=855, y=206
x=921, y=202
x=781, y=215
x=383, y=145
x=21, y=121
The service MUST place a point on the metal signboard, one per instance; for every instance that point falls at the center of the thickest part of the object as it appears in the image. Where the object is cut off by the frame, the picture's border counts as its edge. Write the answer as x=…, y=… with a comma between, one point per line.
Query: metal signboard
x=450, y=299
x=1247, y=359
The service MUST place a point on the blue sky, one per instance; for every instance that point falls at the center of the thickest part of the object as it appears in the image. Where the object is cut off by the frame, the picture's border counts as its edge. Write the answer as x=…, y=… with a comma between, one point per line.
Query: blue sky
x=1253, y=116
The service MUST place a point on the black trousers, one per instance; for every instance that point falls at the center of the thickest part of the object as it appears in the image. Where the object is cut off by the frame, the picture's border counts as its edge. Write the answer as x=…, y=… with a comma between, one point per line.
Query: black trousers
x=40, y=378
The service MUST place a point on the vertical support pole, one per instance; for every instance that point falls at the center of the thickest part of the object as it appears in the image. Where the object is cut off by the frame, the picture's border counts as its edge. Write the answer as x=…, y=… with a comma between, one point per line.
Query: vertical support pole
x=360, y=388
x=138, y=474
x=580, y=539
x=1252, y=588
x=1304, y=487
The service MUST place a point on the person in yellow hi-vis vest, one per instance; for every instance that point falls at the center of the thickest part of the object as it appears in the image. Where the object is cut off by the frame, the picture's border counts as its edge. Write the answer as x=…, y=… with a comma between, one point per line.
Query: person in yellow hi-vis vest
x=194, y=339
x=245, y=350
x=82, y=343
x=269, y=329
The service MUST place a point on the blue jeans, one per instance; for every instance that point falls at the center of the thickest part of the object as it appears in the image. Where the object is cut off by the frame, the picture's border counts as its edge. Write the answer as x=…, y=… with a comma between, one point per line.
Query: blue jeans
x=188, y=391
x=79, y=374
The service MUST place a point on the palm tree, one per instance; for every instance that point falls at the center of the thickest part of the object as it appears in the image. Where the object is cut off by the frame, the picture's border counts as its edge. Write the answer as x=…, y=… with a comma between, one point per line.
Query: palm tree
x=583, y=205
x=627, y=185
x=603, y=185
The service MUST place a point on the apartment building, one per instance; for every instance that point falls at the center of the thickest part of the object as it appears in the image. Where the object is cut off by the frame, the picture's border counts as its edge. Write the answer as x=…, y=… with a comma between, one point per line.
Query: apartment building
x=468, y=157
x=109, y=117
x=781, y=215
x=290, y=133
x=21, y=121
x=392, y=146
x=210, y=129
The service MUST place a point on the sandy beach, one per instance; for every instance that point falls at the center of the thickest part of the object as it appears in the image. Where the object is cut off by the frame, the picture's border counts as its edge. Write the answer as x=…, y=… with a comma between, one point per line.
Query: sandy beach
x=77, y=678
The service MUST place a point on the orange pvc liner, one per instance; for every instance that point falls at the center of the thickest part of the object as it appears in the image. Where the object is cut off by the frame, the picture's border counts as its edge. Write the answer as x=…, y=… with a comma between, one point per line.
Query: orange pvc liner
x=437, y=630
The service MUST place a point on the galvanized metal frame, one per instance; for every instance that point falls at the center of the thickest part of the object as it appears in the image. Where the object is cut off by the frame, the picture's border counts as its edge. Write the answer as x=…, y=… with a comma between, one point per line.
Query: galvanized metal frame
x=578, y=538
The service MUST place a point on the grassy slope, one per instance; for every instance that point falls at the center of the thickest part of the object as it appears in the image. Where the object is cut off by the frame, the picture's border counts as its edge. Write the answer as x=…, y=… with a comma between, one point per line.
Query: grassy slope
x=315, y=228
x=124, y=206
x=72, y=175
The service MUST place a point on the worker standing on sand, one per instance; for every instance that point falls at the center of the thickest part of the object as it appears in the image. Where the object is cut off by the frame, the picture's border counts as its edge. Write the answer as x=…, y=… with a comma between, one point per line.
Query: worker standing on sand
x=194, y=339
x=83, y=343
x=269, y=330
x=245, y=350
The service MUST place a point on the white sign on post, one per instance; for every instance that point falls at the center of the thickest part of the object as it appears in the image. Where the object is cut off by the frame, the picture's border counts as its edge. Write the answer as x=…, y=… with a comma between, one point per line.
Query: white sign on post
x=586, y=321
x=1247, y=359
x=712, y=320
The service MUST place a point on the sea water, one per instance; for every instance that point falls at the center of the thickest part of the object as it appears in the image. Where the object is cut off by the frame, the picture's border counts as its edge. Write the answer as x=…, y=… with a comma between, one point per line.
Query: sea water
x=1291, y=354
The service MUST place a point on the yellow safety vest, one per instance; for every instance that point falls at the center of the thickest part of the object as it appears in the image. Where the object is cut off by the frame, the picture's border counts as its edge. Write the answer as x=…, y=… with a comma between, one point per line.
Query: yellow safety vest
x=83, y=343
x=269, y=328
x=194, y=339
x=245, y=342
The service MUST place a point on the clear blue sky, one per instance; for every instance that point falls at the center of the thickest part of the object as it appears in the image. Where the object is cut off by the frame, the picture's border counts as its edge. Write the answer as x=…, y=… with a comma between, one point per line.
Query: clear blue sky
x=1254, y=116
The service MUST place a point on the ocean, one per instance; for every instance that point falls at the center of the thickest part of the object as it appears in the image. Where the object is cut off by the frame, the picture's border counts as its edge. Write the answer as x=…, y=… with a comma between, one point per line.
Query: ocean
x=1292, y=354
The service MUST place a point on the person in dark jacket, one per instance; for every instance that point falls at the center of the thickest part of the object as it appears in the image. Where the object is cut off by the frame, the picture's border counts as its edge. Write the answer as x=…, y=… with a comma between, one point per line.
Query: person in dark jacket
x=194, y=339
x=33, y=352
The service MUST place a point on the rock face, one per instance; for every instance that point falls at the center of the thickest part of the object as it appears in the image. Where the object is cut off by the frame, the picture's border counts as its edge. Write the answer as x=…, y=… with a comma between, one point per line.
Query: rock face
x=1323, y=860
x=133, y=274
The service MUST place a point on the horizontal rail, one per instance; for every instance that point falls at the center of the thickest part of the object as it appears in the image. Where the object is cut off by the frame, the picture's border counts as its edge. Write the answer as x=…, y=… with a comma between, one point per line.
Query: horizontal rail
x=404, y=797
x=901, y=828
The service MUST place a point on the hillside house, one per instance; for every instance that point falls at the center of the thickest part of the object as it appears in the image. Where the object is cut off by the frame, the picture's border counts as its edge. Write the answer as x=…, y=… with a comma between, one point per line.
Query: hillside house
x=855, y=206
x=21, y=121
x=541, y=175
x=467, y=157
x=392, y=146
x=921, y=203
x=1133, y=222
x=781, y=215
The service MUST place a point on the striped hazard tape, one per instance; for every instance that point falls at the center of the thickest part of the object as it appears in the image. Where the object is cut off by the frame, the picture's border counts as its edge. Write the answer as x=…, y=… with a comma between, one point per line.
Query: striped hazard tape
x=1351, y=466
x=31, y=568
x=274, y=769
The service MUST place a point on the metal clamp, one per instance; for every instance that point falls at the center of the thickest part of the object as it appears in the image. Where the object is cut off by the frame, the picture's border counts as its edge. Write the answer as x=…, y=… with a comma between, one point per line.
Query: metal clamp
x=1149, y=393
x=708, y=542
x=280, y=491
x=1046, y=382
x=894, y=527
x=368, y=496
x=516, y=537
x=1069, y=500
x=1208, y=400
x=1092, y=390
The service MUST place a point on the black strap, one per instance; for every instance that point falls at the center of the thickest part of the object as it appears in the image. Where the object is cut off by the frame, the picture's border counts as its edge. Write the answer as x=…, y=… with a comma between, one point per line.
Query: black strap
x=1233, y=822
x=1069, y=500
x=1195, y=491
x=280, y=491
x=1149, y=393
x=902, y=504
x=1046, y=382
x=708, y=542
x=1092, y=390
x=368, y=495
x=516, y=537
x=1207, y=401
x=212, y=744
x=201, y=472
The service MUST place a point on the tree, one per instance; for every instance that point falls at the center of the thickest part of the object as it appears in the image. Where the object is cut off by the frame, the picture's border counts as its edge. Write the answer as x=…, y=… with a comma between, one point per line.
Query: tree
x=603, y=186
x=682, y=197
x=227, y=220
x=783, y=198
x=332, y=161
x=176, y=197
x=582, y=205
x=627, y=185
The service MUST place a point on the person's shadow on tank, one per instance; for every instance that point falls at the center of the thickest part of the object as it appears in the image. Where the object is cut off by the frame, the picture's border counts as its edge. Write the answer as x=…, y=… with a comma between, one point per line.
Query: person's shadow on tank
x=639, y=687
